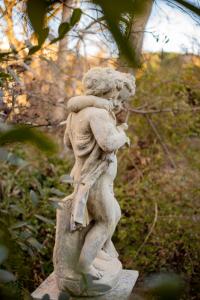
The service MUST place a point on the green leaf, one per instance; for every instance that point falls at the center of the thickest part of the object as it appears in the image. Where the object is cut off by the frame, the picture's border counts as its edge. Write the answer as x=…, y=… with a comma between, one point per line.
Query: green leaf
x=165, y=286
x=25, y=134
x=63, y=29
x=46, y=297
x=42, y=36
x=4, y=75
x=55, y=203
x=189, y=6
x=57, y=192
x=24, y=235
x=3, y=253
x=76, y=16
x=34, y=243
x=64, y=296
x=4, y=55
x=15, y=160
x=113, y=14
x=66, y=179
x=3, y=154
x=34, y=49
x=34, y=198
x=17, y=209
x=45, y=220
x=36, y=11
x=6, y=276
x=56, y=40
x=121, y=7
x=19, y=225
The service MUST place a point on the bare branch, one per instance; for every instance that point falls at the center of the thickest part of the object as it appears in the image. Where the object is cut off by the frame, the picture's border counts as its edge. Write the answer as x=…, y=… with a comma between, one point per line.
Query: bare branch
x=151, y=229
x=166, y=110
x=163, y=145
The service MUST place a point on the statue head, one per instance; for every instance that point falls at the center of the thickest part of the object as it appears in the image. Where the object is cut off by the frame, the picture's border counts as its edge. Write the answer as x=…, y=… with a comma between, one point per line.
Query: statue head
x=109, y=84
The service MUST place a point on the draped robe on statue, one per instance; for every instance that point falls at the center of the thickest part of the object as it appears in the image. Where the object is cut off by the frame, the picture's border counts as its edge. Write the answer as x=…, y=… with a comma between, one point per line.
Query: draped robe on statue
x=92, y=134
x=93, y=139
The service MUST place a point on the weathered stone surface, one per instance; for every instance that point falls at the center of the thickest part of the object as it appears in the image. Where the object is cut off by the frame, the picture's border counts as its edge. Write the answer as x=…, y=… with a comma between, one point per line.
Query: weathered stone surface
x=121, y=292
x=86, y=263
x=86, y=219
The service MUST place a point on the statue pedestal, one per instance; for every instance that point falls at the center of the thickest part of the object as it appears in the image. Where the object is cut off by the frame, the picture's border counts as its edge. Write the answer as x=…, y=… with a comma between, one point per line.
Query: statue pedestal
x=122, y=291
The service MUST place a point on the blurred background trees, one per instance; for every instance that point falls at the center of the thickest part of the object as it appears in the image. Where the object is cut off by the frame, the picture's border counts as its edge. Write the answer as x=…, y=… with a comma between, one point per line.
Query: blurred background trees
x=47, y=46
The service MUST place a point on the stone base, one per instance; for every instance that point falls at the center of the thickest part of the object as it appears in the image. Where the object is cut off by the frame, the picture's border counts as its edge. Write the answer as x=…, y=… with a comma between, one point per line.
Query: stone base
x=121, y=292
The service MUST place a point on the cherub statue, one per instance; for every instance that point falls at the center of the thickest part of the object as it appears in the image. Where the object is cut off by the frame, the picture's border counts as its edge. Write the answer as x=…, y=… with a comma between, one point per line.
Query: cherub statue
x=87, y=222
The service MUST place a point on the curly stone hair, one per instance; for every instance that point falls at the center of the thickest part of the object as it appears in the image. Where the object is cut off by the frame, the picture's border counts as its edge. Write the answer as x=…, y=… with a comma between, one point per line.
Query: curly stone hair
x=103, y=81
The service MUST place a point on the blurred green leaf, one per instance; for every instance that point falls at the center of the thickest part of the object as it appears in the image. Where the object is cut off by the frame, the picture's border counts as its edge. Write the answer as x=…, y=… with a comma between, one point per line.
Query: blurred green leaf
x=34, y=198
x=43, y=35
x=120, y=7
x=24, y=134
x=66, y=179
x=63, y=29
x=4, y=75
x=17, y=209
x=34, y=243
x=57, y=192
x=6, y=276
x=55, y=40
x=55, y=203
x=189, y=6
x=4, y=55
x=36, y=11
x=165, y=286
x=64, y=296
x=18, y=225
x=34, y=49
x=76, y=16
x=3, y=154
x=113, y=14
x=45, y=220
x=3, y=253
x=16, y=160
x=46, y=297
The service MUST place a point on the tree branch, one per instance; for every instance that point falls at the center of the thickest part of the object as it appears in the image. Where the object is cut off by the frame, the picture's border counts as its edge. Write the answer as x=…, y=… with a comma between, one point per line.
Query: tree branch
x=163, y=145
x=165, y=110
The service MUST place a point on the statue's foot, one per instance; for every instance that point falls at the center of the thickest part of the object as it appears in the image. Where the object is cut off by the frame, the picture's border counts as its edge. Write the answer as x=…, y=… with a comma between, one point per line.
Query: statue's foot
x=94, y=273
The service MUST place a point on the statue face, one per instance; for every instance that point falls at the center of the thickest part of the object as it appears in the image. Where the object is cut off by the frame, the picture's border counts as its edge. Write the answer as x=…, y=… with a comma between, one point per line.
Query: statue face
x=121, y=99
x=124, y=94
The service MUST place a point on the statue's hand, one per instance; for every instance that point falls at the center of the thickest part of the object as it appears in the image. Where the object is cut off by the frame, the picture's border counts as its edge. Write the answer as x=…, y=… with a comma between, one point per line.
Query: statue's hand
x=128, y=142
x=74, y=226
x=108, y=105
x=123, y=126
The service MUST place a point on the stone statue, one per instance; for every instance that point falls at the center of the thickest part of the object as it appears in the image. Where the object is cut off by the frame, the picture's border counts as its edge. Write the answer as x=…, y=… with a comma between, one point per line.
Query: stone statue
x=85, y=260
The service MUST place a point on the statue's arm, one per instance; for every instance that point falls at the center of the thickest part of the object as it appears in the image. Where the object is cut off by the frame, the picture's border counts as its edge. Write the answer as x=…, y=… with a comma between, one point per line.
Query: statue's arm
x=108, y=135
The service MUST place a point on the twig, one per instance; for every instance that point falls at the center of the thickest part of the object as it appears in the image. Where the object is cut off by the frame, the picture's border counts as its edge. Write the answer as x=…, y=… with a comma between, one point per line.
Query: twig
x=151, y=229
x=164, y=146
x=32, y=125
x=165, y=110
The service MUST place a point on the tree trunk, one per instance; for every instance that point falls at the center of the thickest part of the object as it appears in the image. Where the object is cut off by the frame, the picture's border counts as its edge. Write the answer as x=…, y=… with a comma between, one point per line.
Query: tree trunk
x=138, y=29
x=9, y=30
x=136, y=35
x=60, y=79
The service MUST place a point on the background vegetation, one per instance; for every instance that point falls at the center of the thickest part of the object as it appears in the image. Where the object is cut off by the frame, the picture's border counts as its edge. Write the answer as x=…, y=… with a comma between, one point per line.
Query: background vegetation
x=158, y=177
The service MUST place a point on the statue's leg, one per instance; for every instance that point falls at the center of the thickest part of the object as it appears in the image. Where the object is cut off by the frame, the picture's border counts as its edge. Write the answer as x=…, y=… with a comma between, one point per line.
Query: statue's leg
x=102, y=207
x=109, y=247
